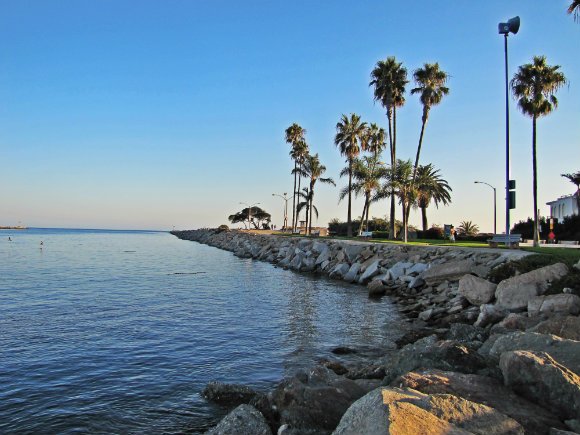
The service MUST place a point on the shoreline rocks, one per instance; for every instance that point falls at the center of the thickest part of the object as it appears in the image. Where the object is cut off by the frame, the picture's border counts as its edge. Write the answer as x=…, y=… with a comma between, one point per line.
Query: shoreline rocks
x=472, y=341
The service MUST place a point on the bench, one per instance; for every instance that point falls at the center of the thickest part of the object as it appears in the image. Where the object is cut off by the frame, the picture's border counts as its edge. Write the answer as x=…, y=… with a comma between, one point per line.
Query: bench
x=296, y=232
x=366, y=234
x=513, y=239
x=568, y=242
x=315, y=233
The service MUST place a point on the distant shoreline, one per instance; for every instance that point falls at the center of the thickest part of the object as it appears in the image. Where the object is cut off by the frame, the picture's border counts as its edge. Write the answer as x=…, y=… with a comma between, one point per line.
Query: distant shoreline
x=14, y=228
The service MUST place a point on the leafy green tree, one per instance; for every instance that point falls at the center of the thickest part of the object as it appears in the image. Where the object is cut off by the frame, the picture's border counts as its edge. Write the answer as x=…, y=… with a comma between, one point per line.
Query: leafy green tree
x=294, y=136
x=430, y=81
x=350, y=139
x=313, y=170
x=375, y=139
x=251, y=216
x=389, y=79
x=468, y=228
x=430, y=188
x=534, y=86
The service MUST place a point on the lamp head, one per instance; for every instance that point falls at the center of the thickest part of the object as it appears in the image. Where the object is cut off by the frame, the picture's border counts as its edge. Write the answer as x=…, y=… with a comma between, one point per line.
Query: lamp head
x=512, y=26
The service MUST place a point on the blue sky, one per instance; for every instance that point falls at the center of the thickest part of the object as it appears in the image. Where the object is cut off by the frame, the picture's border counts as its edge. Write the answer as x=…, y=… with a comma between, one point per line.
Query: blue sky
x=153, y=114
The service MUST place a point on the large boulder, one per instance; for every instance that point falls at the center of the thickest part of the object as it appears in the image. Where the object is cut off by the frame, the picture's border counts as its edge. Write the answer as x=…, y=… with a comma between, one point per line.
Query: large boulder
x=566, y=352
x=351, y=251
x=490, y=314
x=228, y=394
x=451, y=270
x=370, y=271
x=352, y=273
x=476, y=290
x=376, y=288
x=339, y=270
x=315, y=401
x=561, y=326
x=430, y=352
x=554, y=304
x=395, y=411
x=538, y=377
x=485, y=390
x=243, y=420
x=514, y=293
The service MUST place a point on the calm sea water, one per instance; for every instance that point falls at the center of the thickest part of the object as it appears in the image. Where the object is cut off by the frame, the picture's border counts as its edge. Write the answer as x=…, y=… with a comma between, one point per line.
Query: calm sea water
x=119, y=331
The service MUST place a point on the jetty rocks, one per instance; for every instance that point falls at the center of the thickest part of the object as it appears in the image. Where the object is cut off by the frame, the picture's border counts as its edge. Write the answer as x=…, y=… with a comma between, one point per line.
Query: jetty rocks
x=480, y=357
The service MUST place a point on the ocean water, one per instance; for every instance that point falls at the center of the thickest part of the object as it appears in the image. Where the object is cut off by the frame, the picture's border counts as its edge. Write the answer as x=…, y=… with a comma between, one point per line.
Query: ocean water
x=119, y=331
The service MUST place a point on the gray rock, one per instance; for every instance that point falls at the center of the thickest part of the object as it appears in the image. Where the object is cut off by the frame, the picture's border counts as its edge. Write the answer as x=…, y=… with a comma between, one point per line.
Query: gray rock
x=463, y=333
x=395, y=411
x=554, y=304
x=476, y=290
x=485, y=390
x=563, y=327
x=416, y=282
x=538, y=377
x=429, y=352
x=323, y=256
x=315, y=401
x=371, y=270
x=554, y=431
x=514, y=293
x=416, y=268
x=490, y=314
x=352, y=251
x=452, y=270
x=228, y=394
x=398, y=270
x=566, y=352
x=350, y=276
x=339, y=270
x=243, y=420
x=376, y=288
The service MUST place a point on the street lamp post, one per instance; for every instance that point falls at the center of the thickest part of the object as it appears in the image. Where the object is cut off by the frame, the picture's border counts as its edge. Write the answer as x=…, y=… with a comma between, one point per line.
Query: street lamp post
x=512, y=26
x=285, y=209
x=249, y=213
x=494, y=204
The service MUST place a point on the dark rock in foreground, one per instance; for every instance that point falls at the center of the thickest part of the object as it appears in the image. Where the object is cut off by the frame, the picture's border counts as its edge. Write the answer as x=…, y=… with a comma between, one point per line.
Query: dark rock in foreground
x=228, y=394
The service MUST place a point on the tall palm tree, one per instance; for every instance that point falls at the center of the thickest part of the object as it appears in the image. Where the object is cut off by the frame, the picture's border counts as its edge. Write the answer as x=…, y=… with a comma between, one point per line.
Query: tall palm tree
x=575, y=179
x=430, y=187
x=313, y=170
x=574, y=8
x=430, y=81
x=534, y=86
x=294, y=136
x=350, y=139
x=389, y=79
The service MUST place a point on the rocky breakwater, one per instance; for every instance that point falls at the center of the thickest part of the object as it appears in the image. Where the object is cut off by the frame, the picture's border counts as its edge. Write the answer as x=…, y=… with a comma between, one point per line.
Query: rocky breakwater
x=482, y=357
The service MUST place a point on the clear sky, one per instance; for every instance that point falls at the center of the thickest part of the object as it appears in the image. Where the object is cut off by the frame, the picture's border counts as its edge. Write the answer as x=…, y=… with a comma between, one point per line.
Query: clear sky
x=153, y=114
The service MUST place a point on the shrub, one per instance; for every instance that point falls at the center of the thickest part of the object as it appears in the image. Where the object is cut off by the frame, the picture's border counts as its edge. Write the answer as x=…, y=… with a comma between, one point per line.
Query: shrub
x=434, y=232
x=222, y=228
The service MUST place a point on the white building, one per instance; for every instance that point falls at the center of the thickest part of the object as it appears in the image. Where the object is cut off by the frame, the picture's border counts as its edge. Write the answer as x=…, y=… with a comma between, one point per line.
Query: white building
x=563, y=206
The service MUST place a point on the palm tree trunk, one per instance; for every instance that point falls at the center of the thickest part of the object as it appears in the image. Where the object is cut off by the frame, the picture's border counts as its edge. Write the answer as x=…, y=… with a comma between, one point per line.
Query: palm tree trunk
x=392, y=230
x=306, y=224
x=297, y=212
x=535, y=184
x=404, y=205
x=349, y=219
x=294, y=198
x=362, y=219
x=424, y=217
x=424, y=123
x=368, y=208
x=311, y=211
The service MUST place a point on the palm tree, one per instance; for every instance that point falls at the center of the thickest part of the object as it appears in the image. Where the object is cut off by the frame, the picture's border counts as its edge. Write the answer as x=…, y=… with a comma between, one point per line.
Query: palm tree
x=574, y=8
x=350, y=138
x=313, y=170
x=534, y=86
x=430, y=187
x=375, y=139
x=468, y=228
x=389, y=79
x=430, y=81
x=399, y=182
x=575, y=179
x=295, y=137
